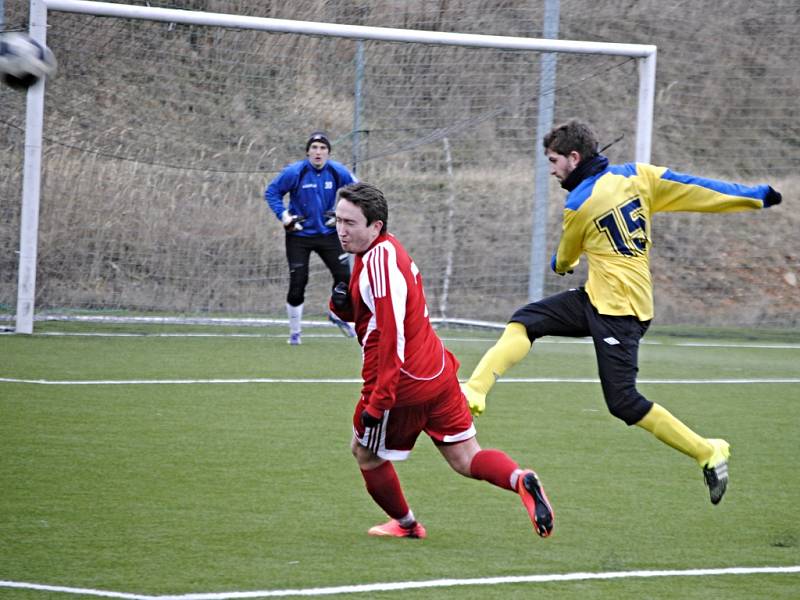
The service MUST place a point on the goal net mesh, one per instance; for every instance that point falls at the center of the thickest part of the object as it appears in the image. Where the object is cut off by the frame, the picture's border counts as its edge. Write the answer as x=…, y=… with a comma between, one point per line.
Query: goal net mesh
x=159, y=139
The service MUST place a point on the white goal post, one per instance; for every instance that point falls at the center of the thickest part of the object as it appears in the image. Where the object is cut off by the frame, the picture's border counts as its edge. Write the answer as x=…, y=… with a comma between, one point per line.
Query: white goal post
x=26, y=291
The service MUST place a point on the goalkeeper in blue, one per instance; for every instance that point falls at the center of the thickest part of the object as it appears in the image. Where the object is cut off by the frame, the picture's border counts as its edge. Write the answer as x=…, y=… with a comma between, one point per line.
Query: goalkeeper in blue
x=607, y=218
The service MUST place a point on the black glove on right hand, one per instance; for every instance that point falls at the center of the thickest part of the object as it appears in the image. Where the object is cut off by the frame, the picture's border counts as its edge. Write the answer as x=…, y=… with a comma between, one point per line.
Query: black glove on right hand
x=293, y=223
x=340, y=297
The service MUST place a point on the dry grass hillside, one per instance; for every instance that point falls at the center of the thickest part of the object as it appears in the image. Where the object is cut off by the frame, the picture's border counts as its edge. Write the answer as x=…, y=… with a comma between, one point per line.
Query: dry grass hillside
x=159, y=139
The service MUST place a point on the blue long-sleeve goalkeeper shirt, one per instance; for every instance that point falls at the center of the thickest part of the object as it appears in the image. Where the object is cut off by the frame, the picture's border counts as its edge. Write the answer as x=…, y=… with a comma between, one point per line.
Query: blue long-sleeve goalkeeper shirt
x=312, y=193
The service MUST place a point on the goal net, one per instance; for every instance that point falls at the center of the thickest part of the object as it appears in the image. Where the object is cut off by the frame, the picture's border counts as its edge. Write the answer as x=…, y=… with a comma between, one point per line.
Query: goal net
x=160, y=137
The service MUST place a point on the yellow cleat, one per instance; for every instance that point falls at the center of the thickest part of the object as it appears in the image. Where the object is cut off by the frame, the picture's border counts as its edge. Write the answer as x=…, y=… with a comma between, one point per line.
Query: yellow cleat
x=475, y=400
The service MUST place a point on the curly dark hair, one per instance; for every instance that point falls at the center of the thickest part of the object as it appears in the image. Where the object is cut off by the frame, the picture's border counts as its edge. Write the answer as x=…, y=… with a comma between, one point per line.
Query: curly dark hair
x=572, y=135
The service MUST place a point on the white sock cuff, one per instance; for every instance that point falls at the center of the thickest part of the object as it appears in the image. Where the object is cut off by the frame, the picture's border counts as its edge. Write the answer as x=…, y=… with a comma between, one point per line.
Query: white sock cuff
x=514, y=479
x=408, y=520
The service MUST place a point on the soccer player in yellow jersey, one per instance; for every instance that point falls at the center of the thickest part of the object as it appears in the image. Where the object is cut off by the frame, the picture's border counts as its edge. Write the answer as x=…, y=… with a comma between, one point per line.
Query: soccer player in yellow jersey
x=607, y=218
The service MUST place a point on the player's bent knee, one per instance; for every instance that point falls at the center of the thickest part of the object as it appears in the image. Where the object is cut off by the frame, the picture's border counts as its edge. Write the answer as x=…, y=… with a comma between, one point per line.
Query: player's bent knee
x=298, y=279
x=459, y=455
x=366, y=459
x=462, y=468
x=630, y=407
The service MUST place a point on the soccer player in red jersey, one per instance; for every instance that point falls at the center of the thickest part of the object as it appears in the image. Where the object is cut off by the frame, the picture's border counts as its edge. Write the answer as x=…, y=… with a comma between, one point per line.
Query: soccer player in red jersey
x=410, y=383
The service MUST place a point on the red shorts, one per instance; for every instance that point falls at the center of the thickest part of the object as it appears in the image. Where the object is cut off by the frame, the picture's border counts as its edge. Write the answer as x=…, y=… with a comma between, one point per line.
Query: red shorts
x=445, y=418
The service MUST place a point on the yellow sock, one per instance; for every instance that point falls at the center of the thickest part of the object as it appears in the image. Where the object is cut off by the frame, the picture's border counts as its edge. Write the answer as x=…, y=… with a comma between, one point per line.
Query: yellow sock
x=662, y=424
x=511, y=348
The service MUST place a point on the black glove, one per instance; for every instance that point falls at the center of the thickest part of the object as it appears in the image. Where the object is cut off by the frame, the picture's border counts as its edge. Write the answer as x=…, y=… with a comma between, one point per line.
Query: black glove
x=330, y=218
x=291, y=222
x=367, y=420
x=340, y=296
x=294, y=223
x=773, y=198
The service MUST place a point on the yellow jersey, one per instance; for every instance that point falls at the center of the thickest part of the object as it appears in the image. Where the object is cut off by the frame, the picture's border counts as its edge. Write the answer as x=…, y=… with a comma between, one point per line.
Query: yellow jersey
x=607, y=217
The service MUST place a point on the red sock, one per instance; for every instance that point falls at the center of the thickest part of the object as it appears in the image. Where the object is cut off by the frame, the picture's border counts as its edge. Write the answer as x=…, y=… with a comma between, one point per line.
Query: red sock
x=384, y=487
x=494, y=466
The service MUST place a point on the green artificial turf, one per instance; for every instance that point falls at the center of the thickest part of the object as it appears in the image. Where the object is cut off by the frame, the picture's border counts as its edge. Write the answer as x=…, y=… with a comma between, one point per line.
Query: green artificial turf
x=210, y=487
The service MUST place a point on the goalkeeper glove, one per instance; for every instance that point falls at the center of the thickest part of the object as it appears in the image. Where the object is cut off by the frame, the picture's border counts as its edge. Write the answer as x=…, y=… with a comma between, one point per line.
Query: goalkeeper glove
x=330, y=218
x=369, y=420
x=773, y=197
x=340, y=296
x=291, y=222
x=553, y=266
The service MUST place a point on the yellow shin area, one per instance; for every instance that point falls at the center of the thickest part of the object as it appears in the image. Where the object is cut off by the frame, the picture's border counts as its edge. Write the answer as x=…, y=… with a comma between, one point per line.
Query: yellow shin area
x=662, y=424
x=511, y=348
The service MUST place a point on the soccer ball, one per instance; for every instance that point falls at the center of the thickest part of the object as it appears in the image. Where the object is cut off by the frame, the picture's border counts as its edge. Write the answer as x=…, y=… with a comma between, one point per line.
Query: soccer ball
x=23, y=60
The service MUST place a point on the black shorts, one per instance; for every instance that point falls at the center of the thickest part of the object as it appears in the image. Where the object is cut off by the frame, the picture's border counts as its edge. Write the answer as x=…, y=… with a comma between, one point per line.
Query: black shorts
x=300, y=247
x=298, y=255
x=616, y=343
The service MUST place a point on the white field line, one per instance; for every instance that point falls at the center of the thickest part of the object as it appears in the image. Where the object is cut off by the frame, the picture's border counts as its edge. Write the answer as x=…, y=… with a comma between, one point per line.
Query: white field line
x=177, y=335
x=312, y=380
x=554, y=340
x=177, y=381
x=414, y=585
x=39, y=587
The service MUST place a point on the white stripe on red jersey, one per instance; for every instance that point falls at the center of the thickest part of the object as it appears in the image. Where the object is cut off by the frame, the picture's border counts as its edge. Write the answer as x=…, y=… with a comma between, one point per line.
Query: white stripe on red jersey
x=401, y=350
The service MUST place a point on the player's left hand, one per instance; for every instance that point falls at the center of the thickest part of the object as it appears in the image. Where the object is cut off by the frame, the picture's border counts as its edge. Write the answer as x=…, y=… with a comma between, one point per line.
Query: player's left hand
x=773, y=197
x=330, y=218
x=369, y=420
x=340, y=296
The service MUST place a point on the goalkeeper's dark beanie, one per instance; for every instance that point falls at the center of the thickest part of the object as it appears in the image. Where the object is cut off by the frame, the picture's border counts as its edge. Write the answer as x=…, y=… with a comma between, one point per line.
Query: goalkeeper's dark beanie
x=318, y=136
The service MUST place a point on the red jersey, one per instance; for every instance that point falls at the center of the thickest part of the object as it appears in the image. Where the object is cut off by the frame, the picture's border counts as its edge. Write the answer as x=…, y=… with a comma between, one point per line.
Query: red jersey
x=405, y=362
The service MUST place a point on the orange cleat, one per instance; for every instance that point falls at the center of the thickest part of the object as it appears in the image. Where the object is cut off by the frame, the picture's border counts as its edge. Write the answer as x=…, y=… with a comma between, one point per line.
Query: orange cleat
x=394, y=529
x=536, y=503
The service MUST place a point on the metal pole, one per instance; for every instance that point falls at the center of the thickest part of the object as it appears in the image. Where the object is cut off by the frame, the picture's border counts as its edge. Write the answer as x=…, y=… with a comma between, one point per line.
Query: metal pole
x=358, y=104
x=547, y=98
x=448, y=236
x=644, y=115
x=31, y=181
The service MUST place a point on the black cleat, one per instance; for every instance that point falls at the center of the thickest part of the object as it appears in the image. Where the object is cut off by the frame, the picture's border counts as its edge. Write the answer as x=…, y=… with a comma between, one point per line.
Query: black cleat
x=715, y=472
